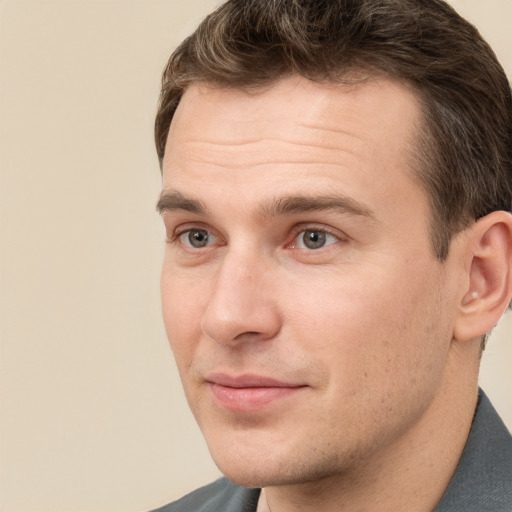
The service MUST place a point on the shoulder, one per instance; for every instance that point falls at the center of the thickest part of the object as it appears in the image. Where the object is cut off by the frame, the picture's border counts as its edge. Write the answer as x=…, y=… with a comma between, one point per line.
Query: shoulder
x=483, y=478
x=219, y=495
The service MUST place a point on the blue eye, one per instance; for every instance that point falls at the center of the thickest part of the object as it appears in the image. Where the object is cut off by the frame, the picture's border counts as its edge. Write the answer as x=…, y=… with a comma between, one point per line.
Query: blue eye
x=314, y=239
x=196, y=238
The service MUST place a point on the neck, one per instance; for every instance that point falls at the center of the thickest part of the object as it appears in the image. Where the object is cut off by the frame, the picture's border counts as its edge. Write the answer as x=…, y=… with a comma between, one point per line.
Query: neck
x=410, y=473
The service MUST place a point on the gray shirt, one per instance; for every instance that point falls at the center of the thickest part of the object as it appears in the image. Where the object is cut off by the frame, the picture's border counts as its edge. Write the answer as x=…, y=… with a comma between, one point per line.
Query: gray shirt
x=482, y=481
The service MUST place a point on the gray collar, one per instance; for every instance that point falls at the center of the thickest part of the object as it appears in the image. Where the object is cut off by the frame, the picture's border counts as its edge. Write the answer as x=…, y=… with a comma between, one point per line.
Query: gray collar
x=483, y=478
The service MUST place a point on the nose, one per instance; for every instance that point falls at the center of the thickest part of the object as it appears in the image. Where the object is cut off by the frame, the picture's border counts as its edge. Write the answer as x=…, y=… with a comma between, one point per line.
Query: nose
x=243, y=303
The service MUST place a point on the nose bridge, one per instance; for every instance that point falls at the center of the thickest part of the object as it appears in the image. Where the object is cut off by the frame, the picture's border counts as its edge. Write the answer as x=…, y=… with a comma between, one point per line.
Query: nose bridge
x=241, y=305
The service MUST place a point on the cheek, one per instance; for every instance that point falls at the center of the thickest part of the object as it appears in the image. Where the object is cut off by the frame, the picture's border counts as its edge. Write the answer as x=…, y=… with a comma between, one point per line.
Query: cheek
x=182, y=312
x=377, y=352
x=373, y=335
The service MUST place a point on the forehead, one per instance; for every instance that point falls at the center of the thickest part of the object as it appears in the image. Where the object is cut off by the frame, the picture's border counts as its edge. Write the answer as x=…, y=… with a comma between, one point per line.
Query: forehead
x=375, y=101
x=292, y=137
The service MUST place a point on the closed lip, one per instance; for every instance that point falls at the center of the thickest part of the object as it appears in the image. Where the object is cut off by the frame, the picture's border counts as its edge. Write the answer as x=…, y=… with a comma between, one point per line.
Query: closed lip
x=249, y=381
x=249, y=393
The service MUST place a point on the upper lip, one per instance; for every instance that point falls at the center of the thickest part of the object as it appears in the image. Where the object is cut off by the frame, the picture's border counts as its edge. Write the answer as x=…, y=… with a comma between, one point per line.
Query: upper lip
x=248, y=381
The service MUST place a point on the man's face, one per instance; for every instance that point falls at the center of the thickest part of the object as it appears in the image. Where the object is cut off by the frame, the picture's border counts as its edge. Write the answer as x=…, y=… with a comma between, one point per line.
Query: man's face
x=309, y=318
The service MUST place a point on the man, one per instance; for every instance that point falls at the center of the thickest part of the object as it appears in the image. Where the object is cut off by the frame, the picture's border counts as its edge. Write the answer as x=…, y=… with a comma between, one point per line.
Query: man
x=336, y=189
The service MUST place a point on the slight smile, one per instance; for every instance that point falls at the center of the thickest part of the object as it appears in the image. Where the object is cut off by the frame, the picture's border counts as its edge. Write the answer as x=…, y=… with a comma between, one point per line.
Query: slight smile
x=249, y=393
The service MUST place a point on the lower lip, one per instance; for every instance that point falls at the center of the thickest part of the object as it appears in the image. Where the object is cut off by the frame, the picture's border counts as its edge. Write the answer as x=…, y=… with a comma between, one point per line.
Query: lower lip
x=250, y=399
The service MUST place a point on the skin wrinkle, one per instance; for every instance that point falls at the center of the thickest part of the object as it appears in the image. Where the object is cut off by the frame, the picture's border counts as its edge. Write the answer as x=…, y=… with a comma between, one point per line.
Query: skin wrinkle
x=263, y=141
x=352, y=146
x=303, y=162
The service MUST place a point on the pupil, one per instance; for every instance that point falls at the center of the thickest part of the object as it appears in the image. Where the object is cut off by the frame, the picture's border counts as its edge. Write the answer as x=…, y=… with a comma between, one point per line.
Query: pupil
x=198, y=238
x=314, y=239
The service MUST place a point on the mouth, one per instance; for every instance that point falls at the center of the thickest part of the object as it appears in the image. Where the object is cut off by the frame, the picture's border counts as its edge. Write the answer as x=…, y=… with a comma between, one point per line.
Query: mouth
x=249, y=393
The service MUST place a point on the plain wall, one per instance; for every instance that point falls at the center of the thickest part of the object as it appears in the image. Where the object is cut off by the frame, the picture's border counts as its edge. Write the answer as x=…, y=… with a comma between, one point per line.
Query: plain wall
x=92, y=416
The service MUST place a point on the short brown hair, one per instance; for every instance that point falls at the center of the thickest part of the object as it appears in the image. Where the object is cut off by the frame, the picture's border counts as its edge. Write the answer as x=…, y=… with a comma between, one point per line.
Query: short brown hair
x=464, y=151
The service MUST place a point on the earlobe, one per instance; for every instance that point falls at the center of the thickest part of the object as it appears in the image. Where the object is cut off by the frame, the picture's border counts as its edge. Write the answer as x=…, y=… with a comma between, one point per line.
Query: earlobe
x=489, y=281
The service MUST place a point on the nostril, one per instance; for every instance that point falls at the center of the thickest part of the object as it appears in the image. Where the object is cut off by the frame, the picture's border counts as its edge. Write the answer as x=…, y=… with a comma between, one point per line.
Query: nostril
x=253, y=336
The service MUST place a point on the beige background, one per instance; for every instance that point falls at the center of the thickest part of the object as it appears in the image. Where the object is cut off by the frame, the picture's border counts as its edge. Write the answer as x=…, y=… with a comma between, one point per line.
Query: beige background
x=92, y=416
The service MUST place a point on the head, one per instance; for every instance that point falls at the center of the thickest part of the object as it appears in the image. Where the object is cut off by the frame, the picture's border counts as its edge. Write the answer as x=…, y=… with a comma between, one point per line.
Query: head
x=335, y=175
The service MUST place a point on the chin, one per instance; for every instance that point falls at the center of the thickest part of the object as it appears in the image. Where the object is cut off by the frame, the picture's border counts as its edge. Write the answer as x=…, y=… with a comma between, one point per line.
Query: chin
x=249, y=477
x=249, y=469
x=246, y=480
x=246, y=471
x=266, y=471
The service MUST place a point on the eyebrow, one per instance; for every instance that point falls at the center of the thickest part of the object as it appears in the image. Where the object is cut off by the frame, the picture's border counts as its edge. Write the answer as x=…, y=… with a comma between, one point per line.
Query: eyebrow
x=172, y=200
x=305, y=204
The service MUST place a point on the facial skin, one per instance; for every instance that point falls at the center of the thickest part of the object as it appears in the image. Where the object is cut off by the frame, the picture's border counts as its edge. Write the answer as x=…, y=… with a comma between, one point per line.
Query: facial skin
x=299, y=252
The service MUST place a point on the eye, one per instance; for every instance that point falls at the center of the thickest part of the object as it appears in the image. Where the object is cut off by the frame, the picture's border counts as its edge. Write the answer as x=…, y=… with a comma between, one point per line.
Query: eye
x=196, y=238
x=314, y=239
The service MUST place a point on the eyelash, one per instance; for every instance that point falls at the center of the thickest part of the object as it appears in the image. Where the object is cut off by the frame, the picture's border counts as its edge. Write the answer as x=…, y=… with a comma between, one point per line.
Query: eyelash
x=314, y=229
x=179, y=235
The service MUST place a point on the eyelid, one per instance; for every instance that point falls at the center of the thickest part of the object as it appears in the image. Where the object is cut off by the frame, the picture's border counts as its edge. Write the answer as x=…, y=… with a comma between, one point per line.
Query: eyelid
x=297, y=230
x=177, y=231
x=184, y=239
x=183, y=229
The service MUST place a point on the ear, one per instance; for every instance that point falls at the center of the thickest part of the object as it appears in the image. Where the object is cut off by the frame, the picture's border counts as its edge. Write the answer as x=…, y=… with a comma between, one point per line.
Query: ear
x=489, y=280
